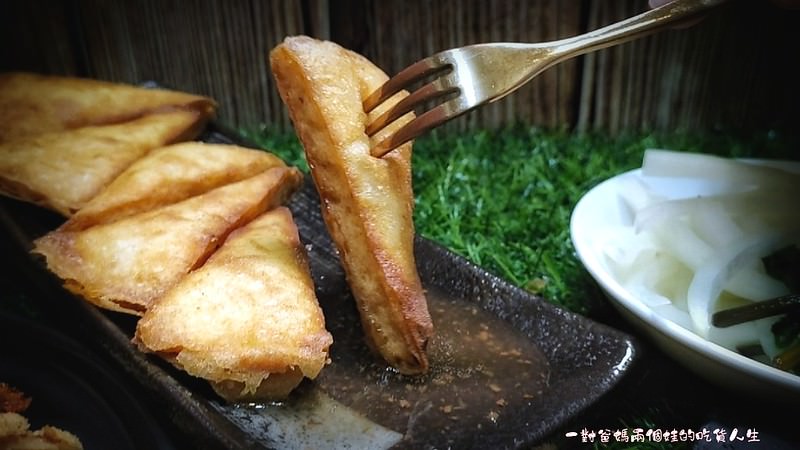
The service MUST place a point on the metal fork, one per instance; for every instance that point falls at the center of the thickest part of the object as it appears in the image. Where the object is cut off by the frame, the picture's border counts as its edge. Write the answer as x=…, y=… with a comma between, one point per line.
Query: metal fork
x=468, y=77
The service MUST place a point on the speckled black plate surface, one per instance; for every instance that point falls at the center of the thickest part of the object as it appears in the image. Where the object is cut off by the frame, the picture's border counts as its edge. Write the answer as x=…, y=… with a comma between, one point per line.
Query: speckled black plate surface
x=507, y=367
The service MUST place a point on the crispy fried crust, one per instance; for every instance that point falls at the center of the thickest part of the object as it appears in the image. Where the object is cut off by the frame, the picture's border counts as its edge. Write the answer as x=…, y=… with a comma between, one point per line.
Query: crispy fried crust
x=367, y=202
x=248, y=319
x=168, y=175
x=15, y=434
x=125, y=265
x=32, y=104
x=64, y=170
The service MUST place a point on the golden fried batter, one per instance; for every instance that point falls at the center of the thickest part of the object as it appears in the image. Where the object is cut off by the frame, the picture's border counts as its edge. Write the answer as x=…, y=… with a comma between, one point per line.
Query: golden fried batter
x=367, y=201
x=15, y=434
x=168, y=175
x=64, y=170
x=125, y=265
x=32, y=104
x=248, y=319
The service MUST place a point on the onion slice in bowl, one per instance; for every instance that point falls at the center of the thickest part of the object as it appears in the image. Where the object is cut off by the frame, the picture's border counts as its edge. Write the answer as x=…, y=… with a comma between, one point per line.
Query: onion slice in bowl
x=707, y=283
x=695, y=245
x=668, y=163
x=616, y=254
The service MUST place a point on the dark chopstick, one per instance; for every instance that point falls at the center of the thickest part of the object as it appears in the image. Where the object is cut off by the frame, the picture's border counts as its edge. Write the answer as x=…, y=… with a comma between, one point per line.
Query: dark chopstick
x=758, y=310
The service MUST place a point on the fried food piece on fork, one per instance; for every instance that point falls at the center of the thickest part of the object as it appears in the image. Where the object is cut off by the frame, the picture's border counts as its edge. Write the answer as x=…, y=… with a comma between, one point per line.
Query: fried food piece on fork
x=367, y=202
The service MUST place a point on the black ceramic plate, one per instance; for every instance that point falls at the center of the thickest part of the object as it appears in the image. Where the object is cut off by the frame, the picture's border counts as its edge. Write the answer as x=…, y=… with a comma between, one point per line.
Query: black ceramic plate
x=507, y=367
x=72, y=390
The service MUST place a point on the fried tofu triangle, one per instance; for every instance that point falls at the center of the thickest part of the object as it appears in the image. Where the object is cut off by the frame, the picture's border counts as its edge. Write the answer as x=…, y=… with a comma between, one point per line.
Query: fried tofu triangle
x=64, y=170
x=32, y=104
x=248, y=320
x=127, y=264
x=168, y=175
x=367, y=202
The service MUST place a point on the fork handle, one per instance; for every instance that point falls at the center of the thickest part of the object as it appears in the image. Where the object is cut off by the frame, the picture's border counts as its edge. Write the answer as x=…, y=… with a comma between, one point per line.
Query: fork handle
x=634, y=27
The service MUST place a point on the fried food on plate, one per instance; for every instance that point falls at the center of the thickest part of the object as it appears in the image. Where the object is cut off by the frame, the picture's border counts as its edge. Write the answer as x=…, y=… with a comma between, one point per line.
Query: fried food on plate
x=248, y=320
x=64, y=170
x=125, y=265
x=15, y=434
x=168, y=175
x=32, y=104
x=367, y=201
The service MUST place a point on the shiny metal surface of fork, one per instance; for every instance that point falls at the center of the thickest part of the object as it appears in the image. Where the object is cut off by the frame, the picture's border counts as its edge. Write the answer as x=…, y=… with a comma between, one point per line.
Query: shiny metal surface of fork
x=470, y=76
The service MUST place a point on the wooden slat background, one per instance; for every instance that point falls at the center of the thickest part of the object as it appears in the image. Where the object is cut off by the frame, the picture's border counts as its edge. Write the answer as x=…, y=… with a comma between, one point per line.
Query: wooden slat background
x=734, y=70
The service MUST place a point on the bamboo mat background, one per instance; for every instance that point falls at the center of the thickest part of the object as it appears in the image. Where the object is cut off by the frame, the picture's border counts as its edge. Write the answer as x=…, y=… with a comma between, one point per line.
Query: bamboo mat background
x=731, y=71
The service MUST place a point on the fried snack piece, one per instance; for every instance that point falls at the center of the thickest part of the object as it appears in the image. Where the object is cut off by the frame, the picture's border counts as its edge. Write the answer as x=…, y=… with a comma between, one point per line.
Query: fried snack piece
x=168, y=175
x=15, y=434
x=12, y=400
x=125, y=265
x=248, y=320
x=32, y=104
x=64, y=170
x=367, y=202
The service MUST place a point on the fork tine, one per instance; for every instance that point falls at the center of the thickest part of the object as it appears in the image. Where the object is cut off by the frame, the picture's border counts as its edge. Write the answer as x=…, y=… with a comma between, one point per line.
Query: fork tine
x=422, y=123
x=405, y=77
x=428, y=92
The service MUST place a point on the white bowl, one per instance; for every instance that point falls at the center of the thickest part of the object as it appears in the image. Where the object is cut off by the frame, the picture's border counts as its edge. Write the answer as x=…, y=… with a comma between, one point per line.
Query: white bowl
x=601, y=208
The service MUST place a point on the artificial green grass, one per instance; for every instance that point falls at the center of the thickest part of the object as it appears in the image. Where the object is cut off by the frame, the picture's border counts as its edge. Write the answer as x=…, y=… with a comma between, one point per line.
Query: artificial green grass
x=503, y=198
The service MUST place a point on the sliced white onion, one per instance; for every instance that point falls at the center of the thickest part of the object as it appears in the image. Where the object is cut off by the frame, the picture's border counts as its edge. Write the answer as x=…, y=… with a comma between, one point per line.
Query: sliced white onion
x=635, y=195
x=680, y=240
x=735, y=336
x=752, y=283
x=623, y=248
x=715, y=226
x=709, y=279
x=666, y=163
x=675, y=315
x=768, y=207
x=767, y=339
x=687, y=245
